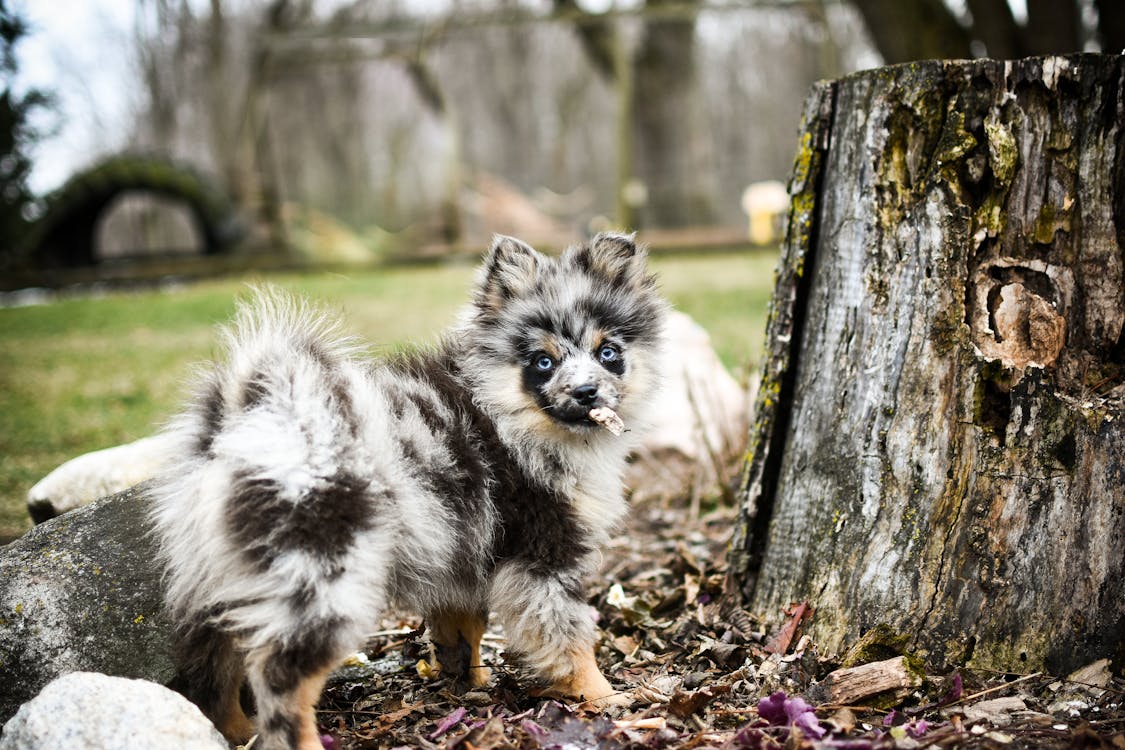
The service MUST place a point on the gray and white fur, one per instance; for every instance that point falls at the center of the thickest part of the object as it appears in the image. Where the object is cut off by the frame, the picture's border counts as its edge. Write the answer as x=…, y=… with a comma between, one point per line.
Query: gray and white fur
x=314, y=488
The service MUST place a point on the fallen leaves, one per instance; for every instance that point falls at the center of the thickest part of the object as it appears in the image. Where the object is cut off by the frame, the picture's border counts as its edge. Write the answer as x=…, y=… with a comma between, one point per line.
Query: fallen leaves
x=781, y=710
x=701, y=676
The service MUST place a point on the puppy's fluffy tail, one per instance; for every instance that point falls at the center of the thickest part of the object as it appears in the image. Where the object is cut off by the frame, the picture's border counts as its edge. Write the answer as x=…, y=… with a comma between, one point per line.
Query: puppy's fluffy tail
x=272, y=424
x=284, y=370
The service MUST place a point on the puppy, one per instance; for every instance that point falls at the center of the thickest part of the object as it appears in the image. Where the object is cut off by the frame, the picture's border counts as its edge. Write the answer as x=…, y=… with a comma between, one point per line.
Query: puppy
x=313, y=489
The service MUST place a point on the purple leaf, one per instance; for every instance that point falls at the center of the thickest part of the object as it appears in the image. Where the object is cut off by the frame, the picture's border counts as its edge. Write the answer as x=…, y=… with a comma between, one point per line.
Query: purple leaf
x=328, y=742
x=809, y=725
x=796, y=707
x=533, y=729
x=954, y=693
x=448, y=723
x=918, y=728
x=772, y=709
x=782, y=711
x=749, y=738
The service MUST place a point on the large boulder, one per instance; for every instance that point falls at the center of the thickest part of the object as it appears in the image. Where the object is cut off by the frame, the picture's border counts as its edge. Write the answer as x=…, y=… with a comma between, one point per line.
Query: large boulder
x=90, y=711
x=82, y=592
x=700, y=433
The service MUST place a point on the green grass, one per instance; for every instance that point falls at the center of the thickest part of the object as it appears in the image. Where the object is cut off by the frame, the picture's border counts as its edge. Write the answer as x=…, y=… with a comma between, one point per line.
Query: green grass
x=82, y=374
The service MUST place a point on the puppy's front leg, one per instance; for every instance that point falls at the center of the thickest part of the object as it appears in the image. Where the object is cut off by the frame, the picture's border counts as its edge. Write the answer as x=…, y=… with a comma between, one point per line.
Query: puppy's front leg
x=551, y=630
x=586, y=682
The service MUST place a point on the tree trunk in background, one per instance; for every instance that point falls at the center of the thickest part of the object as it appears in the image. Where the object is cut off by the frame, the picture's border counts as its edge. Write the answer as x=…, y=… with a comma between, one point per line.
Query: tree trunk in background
x=669, y=157
x=994, y=24
x=1111, y=25
x=929, y=29
x=1052, y=27
x=913, y=31
x=940, y=443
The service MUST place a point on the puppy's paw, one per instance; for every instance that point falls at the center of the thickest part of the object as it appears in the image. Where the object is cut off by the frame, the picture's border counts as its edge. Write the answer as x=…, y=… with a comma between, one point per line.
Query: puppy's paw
x=479, y=677
x=588, y=685
x=613, y=700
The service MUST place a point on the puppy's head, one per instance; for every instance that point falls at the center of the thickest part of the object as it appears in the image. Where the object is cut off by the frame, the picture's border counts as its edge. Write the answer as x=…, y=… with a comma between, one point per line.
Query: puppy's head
x=552, y=339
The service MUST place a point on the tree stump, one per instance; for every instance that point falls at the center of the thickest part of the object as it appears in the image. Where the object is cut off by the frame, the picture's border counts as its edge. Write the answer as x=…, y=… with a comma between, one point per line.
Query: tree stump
x=940, y=444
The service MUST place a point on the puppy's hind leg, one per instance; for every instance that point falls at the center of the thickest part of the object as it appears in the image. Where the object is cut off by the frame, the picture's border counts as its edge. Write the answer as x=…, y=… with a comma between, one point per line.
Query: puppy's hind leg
x=457, y=636
x=287, y=681
x=209, y=673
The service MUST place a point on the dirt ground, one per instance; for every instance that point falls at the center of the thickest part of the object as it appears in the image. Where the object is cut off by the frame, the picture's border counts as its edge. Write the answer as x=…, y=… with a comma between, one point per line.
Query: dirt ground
x=700, y=679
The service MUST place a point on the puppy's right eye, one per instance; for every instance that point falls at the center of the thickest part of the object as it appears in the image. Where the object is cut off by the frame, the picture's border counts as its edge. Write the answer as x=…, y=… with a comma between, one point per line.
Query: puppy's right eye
x=543, y=363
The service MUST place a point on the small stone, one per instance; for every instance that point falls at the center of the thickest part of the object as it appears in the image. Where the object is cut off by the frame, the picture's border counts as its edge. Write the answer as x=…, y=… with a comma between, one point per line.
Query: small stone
x=91, y=711
x=477, y=698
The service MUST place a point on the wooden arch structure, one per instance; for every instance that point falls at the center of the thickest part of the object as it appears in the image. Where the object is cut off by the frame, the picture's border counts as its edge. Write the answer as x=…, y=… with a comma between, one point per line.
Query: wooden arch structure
x=65, y=236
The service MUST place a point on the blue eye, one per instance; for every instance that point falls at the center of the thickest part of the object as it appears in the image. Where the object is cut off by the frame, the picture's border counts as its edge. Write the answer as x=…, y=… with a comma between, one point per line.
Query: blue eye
x=609, y=353
x=544, y=363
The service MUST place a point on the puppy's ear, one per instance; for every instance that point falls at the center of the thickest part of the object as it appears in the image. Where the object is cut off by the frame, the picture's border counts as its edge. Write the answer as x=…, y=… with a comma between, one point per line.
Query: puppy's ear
x=510, y=268
x=615, y=257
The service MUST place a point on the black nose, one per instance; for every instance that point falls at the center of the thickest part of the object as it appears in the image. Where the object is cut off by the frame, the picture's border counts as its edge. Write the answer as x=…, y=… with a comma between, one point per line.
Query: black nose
x=585, y=394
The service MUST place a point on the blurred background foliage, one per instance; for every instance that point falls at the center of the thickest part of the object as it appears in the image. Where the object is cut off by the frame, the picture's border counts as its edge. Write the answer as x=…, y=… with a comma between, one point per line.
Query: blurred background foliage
x=347, y=128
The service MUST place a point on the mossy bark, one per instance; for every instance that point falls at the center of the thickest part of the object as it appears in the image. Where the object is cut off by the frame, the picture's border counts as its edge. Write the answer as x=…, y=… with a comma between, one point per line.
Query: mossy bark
x=941, y=438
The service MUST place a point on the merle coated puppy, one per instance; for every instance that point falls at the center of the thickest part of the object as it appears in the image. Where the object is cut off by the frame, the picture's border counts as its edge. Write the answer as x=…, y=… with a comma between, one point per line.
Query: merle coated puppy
x=313, y=488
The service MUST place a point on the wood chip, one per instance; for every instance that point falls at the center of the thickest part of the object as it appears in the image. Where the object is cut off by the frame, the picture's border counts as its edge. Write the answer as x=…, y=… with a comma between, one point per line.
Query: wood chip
x=608, y=419
x=844, y=686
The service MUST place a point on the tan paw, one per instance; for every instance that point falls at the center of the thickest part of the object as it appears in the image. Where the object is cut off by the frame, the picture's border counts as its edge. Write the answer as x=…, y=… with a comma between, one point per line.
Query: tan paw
x=479, y=676
x=613, y=700
x=588, y=685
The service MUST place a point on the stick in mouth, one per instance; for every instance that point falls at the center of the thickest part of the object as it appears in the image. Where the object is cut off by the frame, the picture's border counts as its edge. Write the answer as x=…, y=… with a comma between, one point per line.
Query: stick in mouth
x=608, y=419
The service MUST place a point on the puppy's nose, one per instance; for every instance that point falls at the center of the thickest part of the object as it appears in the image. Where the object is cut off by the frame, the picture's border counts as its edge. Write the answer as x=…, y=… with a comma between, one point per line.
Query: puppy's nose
x=585, y=395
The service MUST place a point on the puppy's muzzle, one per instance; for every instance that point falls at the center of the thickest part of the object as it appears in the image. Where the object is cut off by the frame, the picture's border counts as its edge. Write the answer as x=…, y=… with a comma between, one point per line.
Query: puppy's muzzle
x=586, y=395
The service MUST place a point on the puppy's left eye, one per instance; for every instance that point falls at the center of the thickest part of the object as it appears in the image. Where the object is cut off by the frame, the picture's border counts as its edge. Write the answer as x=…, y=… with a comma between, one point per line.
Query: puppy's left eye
x=609, y=353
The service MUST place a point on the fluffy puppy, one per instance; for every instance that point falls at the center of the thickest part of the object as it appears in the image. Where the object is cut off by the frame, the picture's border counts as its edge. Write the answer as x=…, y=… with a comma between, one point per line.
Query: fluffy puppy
x=313, y=488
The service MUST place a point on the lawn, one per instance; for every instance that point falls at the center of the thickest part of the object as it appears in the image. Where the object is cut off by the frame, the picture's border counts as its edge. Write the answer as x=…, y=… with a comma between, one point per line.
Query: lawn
x=86, y=373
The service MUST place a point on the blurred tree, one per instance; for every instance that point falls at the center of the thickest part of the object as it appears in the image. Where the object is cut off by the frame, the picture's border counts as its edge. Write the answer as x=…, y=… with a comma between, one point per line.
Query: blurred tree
x=914, y=30
x=924, y=29
x=17, y=137
x=666, y=160
x=673, y=162
x=383, y=116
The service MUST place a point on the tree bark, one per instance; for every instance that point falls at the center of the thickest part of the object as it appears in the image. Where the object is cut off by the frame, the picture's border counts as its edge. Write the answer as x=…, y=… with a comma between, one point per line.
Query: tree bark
x=940, y=444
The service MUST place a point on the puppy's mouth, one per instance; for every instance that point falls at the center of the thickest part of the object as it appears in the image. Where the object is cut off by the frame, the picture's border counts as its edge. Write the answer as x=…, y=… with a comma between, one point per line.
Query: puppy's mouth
x=585, y=418
x=573, y=414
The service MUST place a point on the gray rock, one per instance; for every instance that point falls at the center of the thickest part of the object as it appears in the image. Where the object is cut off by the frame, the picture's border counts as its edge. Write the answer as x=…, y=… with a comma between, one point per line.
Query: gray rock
x=89, y=711
x=81, y=592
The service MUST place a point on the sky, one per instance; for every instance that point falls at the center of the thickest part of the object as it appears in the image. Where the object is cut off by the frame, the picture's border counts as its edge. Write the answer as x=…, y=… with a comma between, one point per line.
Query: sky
x=81, y=51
